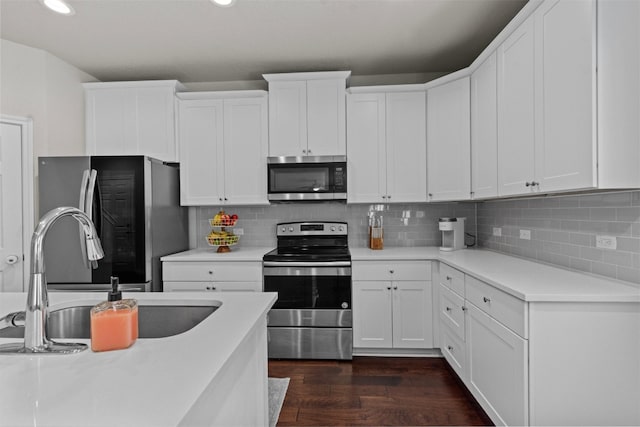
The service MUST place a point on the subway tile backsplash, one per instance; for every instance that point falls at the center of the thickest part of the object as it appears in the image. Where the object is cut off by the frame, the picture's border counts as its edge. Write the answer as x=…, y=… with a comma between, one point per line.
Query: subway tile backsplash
x=564, y=230
x=414, y=224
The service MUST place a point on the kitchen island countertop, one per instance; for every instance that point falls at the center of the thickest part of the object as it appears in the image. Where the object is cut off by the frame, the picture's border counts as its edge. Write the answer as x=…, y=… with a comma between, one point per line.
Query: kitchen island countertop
x=156, y=382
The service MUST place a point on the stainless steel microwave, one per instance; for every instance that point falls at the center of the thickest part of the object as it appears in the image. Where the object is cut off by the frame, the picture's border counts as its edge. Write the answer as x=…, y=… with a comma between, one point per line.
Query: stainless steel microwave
x=307, y=178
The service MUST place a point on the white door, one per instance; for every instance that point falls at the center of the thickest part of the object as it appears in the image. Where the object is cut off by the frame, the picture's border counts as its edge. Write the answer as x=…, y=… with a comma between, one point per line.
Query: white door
x=245, y=150
x=412, y=313
x=372, y=324
x=516, y=131
x=288, y=118
x=449, y=141
x=406, y=147
x=484, y=130
x=11, y=230
x=326, y=135
x=200, y=138
x=566, y=95
x=366, y=155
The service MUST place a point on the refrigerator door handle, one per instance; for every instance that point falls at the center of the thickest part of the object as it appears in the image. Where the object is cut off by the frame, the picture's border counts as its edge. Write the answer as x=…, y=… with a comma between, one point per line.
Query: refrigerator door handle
x=88, y=209
x=86, y=205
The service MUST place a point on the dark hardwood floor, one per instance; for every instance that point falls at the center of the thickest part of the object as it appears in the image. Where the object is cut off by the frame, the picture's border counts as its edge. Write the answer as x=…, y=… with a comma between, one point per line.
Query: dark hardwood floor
x=375, y=391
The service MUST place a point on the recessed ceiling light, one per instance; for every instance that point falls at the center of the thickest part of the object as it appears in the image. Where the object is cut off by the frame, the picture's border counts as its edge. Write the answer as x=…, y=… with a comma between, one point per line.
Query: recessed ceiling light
x=223, y=3
x=59, y=6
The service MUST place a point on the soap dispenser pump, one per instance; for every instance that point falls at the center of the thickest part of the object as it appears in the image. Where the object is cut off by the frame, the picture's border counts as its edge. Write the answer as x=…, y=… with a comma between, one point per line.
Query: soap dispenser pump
x=114, y=323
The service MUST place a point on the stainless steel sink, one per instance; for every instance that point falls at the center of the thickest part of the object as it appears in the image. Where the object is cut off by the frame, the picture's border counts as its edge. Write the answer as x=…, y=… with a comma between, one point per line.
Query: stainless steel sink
x=154, y=321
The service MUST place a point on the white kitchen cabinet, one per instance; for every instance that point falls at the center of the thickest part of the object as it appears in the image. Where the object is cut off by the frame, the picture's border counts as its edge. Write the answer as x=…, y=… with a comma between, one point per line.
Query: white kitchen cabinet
x=386, y=150
x=449, y=141
x=131, y=118
x=392, y=305
x=546, y=101
x=220, y=276
x=484, y=130
x=223, y=148
x=307, y=113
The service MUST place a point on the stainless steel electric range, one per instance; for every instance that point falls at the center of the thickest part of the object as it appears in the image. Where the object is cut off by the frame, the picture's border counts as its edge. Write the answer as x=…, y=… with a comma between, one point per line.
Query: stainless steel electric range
x=311, y=272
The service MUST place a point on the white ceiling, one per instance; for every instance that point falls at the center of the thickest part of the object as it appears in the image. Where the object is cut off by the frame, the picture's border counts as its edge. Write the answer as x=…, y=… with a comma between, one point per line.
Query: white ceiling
x=196, y=41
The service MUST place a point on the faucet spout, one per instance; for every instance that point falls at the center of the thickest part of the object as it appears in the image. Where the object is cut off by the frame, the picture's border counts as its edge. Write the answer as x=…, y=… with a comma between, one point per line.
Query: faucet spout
x=37, y=311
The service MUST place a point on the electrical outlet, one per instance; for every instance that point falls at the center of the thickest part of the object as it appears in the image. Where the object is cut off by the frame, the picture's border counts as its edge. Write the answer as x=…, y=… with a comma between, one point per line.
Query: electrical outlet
x=525, y=234
x=238, y=231
x=497, y=231
x=606, y=242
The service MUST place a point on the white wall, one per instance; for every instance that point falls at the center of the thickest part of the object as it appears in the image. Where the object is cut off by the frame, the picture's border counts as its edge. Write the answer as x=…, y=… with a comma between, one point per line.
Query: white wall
x=36, y=84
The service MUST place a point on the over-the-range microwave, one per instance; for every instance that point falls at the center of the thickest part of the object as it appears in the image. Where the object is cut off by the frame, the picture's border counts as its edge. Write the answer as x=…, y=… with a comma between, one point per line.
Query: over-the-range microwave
x=307, y=178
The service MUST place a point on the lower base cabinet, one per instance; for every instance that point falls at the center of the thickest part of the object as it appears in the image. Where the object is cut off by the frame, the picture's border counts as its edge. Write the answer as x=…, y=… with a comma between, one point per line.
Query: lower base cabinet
x=392, y=305
x=542, y=363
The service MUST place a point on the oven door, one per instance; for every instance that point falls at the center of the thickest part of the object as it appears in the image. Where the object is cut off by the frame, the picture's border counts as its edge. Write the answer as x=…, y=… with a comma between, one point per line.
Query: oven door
x=312, y=285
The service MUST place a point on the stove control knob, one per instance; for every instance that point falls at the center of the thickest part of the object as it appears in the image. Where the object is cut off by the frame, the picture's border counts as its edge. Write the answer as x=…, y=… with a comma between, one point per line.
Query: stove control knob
x=341, y=228
x=291, y=229
x=333, y=229
x=284, y=229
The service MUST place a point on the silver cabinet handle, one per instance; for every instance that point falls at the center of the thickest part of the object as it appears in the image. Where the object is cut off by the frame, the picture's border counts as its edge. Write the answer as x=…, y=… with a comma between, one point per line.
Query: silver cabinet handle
x=485, y=299
x=449, y=277
x=211, y=288
x=450, y=348
x=389, y=288
x=210, y=271
x=534, y=183
x=225, y=199
x=430, y=194
x=304, y=151
x=308, y=151
x=527, y=184
x=384, y=197
x=391, y=271
x=448, y=308
x=388, y=196
x=464, y=308
x=395, y=287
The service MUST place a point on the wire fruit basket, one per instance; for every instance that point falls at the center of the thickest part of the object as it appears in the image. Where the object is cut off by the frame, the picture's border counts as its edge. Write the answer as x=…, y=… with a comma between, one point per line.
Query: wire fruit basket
x=219, y=236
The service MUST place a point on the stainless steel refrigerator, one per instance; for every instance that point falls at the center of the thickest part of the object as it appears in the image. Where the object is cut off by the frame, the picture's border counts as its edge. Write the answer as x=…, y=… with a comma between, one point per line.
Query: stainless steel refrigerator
x=134, y=202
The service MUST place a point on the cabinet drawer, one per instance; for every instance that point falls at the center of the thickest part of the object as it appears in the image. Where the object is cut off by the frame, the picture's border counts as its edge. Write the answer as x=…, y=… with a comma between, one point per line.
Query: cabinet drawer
x=212, y=286
x=506, y=309
x=212, y=271
x=451, y=311
x=453, y=350
x=391, y=270
x=452, y=278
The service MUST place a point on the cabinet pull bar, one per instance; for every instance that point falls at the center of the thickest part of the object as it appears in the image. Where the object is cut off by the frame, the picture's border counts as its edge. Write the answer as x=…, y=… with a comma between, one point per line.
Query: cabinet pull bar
x=485, y=299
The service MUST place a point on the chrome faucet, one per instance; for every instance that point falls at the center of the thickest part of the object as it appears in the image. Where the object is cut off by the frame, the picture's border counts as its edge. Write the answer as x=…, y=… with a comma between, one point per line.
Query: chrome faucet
x=37, y=310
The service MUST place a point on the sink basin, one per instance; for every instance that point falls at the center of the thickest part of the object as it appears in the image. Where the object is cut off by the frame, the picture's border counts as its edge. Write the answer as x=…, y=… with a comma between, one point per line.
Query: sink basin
x=154, y=321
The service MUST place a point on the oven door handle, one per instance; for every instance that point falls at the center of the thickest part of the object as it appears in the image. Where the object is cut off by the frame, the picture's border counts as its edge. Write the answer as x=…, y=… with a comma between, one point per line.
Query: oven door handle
x=296, y=271
x=307, y=264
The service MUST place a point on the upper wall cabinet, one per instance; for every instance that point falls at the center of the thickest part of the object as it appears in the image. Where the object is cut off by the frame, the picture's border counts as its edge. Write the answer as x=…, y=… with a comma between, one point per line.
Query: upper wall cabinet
x=223, y=148
x=131, y=118
x=386, y=147
x=546, y=101
x=484, y=130
x=307, y=113
x=448, y=141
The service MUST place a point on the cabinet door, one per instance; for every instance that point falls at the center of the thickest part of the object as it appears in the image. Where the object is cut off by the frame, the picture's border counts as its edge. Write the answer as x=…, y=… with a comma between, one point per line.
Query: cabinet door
x=566, y=95
x=516, y=149
x=449, y=141
x=412, y=314
x=326, y=119
x=406, y=147
x=109, y=122
x=155, y=134
x=201, y=153
x=372, y=314
x=245, y=151
x=366, y=153
x=497, y=362
x=212, y=286
x=484, y=130
x=287, y=118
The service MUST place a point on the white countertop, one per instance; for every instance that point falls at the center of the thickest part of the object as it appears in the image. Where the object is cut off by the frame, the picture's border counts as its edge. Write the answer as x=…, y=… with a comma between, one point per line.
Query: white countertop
x=527, y=280
x=153, y=383
x=210, y=254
